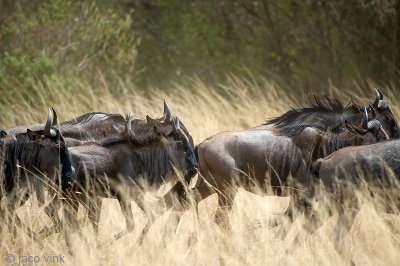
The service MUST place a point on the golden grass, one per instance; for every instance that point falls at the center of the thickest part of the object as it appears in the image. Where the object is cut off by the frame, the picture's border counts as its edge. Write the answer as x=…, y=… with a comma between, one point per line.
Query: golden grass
x=182, y=238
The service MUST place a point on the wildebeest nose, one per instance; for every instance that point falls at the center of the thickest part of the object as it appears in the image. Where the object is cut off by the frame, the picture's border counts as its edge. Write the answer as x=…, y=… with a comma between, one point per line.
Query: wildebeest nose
x=193, y=170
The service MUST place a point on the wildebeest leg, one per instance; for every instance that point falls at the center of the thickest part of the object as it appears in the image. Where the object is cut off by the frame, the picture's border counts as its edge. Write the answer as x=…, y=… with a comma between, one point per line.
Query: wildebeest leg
x=52, y=212
x=127, y=211
x=9, y=206
x=341, y=228
x=94, y=212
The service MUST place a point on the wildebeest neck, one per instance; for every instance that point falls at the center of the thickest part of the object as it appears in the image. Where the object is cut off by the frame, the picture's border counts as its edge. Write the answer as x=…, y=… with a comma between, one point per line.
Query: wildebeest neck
x=153, y=163
x=323, y=110
x=26, y=154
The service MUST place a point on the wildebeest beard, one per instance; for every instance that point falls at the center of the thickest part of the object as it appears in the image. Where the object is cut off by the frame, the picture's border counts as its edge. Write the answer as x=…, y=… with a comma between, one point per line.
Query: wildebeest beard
x=20, y=158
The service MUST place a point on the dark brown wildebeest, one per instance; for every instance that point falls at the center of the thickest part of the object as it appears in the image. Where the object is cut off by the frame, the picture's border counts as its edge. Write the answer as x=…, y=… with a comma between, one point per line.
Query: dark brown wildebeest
x=330, y=112
x=276, y=152
x=114, y=166
x=344, y=170
x=97, y=125
x=27, y=166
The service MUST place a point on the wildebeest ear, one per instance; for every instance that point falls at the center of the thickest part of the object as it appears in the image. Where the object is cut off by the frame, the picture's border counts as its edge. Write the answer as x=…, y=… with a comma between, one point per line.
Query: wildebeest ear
x=153, y=123
x=32, y=134
x=3, y=134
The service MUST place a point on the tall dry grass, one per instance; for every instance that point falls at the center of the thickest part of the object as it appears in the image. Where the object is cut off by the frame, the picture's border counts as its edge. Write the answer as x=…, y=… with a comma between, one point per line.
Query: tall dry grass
x=182, y=237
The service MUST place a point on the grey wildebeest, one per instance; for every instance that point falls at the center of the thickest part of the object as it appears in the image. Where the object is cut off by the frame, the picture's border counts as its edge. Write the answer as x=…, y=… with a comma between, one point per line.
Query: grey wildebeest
x=330, y=112
x=115, y=166
x=98, y=125
x=342, y=172
x=278, y=152
x=28, y=166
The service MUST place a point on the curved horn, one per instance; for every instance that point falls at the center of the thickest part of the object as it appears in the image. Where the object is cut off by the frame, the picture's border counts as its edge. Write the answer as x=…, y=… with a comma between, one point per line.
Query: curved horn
x=167, y=111
x=373, y=112
x=48, y=124
x=55, y=122
x=128, y=126
x=377, y=98
x=365, y=120
x=380, y=94
x=176, y=125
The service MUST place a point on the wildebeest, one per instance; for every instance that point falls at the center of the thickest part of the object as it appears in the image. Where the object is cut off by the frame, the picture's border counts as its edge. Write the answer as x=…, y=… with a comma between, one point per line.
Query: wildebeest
x=97, y=125
x=330, y=112
x=29, y=166
x=280, y=151
x=345, y=170
x=114, y=166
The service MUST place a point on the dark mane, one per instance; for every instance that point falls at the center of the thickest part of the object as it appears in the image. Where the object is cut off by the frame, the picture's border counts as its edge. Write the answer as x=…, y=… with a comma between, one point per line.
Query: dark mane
x=293, y=130
x=151, y=159
x=25, y=153
x=332, y=142
x=22, y=151
x=153, y=164
x=325, y=108
x=13, y=153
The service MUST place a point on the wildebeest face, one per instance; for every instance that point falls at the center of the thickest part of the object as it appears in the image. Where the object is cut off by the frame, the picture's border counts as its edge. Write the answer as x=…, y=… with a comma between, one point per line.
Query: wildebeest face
x=54, y=152
x=178, y=144
x=371, y=131
x=385, y=115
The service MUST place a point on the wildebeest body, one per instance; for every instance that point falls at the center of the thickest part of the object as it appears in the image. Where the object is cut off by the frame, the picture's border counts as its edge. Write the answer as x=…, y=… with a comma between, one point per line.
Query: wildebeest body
x=351, y=163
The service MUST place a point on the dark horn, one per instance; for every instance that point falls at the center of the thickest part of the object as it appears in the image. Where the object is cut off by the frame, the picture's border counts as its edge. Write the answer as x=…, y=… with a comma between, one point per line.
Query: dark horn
x=128, y=126
x=167, y=111
x=377, y=98
x=48, y=124
x=176, y=125
x=373, y=112
x=380, y=94
x=365, y=120
x=55, y=122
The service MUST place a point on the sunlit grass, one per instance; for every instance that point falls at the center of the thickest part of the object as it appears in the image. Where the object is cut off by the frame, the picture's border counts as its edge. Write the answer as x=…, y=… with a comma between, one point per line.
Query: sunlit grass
x=180, y=237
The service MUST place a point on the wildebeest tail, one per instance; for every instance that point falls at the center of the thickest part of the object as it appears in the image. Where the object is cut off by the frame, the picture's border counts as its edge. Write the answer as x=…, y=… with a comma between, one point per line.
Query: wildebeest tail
x=315, y=168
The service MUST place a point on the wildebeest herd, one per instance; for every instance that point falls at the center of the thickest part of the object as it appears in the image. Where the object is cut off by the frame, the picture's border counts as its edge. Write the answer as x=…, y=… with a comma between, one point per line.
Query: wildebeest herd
x=100, y=155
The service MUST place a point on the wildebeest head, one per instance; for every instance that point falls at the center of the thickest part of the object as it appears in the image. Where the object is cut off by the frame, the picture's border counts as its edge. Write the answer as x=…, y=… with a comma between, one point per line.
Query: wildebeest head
x=54, y=151
x=371, y=130
x=385, y=115
x=168, y=117
x=178, y=144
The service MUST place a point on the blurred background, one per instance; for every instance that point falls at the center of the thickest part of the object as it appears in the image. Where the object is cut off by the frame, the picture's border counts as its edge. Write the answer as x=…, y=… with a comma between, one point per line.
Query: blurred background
x=300, y=45
x=49, y=46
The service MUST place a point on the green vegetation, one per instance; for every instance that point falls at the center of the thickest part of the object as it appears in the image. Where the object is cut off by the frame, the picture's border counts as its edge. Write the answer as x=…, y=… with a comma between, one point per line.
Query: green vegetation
x=54, y=42
x=299, y=45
